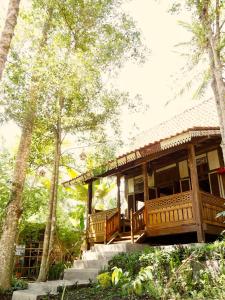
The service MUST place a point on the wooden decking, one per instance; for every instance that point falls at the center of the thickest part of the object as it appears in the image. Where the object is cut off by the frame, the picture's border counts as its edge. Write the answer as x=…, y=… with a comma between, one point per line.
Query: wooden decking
x=162, y=216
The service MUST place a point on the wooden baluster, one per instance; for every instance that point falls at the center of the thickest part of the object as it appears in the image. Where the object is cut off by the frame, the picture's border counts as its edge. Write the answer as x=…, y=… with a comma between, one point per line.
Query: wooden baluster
x=105, y=230
x=131, y=226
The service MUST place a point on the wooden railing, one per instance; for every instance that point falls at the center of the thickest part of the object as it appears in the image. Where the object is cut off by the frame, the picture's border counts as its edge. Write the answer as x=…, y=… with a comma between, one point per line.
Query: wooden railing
x=138, y=220
x=97, y=225
x=212, y=206
x=169, y=211
x=112, y=225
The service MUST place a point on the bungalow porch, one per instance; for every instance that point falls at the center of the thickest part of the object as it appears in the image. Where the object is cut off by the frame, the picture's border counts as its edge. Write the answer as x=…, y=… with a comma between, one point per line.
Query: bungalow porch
x=172, y=187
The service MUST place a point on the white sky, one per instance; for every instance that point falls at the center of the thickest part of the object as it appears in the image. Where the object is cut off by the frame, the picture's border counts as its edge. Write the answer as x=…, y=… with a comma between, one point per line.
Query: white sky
x=154, y=81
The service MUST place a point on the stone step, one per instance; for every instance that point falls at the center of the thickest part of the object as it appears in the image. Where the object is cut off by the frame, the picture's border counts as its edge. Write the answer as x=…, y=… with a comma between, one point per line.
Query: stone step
x=28, y=295
x=117, y=248
x=80, y=274
x=37, y=290
x=90, y=255
x=101, y=248
x=92, y=264
x=49, y=286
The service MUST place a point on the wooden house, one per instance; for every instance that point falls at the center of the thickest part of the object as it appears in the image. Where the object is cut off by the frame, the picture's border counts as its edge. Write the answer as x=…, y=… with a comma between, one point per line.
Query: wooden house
x=174, y=183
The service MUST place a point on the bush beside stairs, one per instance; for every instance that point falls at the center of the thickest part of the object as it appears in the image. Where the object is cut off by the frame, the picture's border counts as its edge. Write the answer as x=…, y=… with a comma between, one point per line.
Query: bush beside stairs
x=82, y=272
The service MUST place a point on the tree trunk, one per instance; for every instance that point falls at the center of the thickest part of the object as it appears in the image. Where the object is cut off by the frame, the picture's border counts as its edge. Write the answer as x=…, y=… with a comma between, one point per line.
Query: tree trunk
x=51, y=220
x=218, y=86
x=14, y=208
x=8, y=31
x=216, y=66
x=220, y=117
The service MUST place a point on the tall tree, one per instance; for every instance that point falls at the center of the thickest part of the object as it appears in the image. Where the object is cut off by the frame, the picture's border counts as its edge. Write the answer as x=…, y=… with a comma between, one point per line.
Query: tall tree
x=99, y=38
x=8, y=31
x=14, y=207
x=207, y=26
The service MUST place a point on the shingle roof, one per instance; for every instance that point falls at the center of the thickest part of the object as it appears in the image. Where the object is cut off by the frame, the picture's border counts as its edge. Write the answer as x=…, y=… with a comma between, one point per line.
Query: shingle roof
x=200, y=120
x=202, y=115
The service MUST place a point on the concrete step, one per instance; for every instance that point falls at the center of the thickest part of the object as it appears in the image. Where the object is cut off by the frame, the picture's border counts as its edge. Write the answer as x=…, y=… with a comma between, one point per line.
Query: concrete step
x=74, y=275
x=90, y=255
x=49, y=286
x=28, y=295
x=101, y=248
x=37, y=290
x=92, y=264
x=117, y=248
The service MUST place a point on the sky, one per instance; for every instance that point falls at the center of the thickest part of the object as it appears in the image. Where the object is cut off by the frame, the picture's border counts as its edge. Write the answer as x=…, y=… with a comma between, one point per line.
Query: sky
x=156, y=80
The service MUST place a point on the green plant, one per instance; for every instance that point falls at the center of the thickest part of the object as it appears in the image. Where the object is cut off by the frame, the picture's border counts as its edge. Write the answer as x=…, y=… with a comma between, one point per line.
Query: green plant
x=19, y=284
x=104, y=280
x=56, y=271
x=127, y=261
x=116, y=275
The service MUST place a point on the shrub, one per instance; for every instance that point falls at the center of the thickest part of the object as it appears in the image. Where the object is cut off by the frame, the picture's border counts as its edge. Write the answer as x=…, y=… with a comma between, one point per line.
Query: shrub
x=104, y=280
x=18, y=284
x=126, y=261
x=56, y=271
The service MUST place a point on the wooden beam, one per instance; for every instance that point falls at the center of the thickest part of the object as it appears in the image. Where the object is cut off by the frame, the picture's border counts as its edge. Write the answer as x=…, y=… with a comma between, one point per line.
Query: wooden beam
x=196, y=199
x=118, y=199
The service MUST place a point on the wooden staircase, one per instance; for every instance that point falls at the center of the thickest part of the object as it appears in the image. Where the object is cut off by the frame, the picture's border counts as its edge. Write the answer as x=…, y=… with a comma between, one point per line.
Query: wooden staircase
x=125, y=237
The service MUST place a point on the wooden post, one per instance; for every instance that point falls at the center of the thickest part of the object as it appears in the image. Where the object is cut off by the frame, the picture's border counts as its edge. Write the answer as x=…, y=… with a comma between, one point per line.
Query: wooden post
x=131, y=226
x=196, y=199
x=145, y=179
x=89, y=208
x=105, y=230
x=118, y=199
x=146, y=191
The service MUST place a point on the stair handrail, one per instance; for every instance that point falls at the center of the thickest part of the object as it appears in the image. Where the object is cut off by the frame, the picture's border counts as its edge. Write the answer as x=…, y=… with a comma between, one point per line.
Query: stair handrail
x=137, y=227
x=107, y=234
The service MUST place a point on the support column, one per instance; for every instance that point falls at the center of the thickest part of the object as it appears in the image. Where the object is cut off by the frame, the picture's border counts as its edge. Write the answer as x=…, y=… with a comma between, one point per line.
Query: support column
x=196, y=199
x=146, y=191
x=145, y=179
x=118, y=199
x=89, y=209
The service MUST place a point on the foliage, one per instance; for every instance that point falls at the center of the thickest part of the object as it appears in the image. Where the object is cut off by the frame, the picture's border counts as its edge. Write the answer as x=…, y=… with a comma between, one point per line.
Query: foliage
x=6, y=161
x=30, y=232
x=56, y=271
x=177, y=273
x=126, y=261
x=19, y=284
x=104, y=280
x=16, y=284
x=197, y=69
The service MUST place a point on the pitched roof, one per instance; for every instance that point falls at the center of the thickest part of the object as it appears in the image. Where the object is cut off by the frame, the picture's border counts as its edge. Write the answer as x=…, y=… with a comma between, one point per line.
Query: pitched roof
x=203, y=115
x=200, y=120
